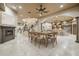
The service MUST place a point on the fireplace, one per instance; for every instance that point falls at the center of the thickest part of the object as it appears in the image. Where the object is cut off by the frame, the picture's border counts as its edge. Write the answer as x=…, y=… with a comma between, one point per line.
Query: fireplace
x=6, y=33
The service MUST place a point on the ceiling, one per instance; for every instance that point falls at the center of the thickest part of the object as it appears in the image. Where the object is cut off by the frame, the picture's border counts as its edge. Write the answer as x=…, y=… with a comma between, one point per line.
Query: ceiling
x=59, y=19
x=22, y=9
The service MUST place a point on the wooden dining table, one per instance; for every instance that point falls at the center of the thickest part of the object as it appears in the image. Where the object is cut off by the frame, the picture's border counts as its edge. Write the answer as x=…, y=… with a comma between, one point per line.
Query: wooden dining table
x=43, y=33
x=45, y=36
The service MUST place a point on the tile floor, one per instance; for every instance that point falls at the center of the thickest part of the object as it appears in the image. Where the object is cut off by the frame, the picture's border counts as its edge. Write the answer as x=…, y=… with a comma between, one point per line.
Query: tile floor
x=21, y=46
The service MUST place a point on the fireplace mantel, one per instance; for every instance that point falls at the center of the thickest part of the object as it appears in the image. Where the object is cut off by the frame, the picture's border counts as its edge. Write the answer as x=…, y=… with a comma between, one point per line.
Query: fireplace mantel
x=4, y=25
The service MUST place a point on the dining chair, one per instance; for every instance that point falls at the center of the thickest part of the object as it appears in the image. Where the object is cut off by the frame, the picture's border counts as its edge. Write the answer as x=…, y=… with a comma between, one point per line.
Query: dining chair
x=46, y=41
x=40, y=39
x=31, y=36
x=53, y=39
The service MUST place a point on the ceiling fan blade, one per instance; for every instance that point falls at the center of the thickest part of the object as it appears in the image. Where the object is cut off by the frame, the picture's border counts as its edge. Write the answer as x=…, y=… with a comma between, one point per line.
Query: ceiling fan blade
x=37, y=12
x=41, y=6
x=45, y=11
x=37, y=9
x=44, y=8
x=29, y=12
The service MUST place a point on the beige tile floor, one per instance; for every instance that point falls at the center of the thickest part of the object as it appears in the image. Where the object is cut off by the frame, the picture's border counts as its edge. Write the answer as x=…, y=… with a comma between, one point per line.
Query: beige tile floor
x=21, y=46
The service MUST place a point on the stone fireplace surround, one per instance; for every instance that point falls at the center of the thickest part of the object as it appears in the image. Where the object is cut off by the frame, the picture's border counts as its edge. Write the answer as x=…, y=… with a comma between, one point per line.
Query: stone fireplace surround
x=6, y=33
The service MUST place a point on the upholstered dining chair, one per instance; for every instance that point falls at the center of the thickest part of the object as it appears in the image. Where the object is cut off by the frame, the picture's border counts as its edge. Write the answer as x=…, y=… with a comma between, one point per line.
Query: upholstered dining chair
x=32, y=36
x=54, y=39
x=40, y=39
x=44, y=40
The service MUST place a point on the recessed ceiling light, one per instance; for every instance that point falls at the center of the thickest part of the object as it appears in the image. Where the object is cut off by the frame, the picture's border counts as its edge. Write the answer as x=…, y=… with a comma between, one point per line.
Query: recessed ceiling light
x=20, y=7
x=24, y=20
x=74, y=19
x=64, y=22
x=61, y=6
x=21, y=15
x=40, y=15
x=56, y=16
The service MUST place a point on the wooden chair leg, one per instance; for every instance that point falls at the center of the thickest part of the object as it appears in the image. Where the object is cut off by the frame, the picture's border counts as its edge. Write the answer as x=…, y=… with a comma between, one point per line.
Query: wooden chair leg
x=39, y=43
x=46, y=42
x=55, y=41
x=52, y=41
x=31, y=39
x=46, y=45
x=35, y=41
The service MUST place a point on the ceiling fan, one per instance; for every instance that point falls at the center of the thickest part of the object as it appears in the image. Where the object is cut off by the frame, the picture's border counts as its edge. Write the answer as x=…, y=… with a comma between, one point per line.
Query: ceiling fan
x=41, y=9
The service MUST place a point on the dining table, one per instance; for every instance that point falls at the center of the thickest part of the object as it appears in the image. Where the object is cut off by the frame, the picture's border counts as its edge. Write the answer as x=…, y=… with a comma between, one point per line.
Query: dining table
x=43, y=36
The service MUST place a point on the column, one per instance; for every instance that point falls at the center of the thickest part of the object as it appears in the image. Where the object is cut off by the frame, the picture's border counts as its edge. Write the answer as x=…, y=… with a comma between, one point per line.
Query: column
x=71, y=28
x=77, y=35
